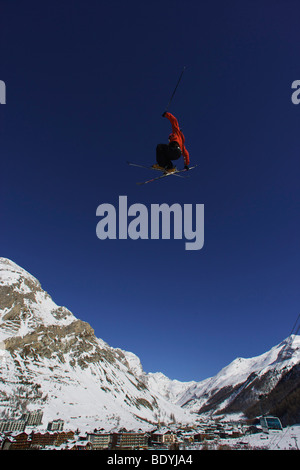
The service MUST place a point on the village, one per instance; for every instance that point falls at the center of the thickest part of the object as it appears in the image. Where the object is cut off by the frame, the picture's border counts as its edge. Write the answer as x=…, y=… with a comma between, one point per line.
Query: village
x=22, y=434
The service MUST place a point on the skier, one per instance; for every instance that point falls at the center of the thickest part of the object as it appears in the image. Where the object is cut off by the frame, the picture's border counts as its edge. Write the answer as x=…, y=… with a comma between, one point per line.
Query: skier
x=165, y=153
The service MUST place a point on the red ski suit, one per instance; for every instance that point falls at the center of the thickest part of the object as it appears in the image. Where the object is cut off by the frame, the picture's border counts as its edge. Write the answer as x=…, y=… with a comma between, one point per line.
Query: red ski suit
x=177, y=136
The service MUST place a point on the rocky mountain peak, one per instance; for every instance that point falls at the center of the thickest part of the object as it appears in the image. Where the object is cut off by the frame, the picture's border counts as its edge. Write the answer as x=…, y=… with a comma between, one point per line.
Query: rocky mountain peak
x=24, y=305
x=54, y=361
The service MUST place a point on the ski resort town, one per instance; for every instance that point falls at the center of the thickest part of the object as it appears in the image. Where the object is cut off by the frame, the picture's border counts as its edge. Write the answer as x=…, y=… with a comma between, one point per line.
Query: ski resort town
x=27, y=433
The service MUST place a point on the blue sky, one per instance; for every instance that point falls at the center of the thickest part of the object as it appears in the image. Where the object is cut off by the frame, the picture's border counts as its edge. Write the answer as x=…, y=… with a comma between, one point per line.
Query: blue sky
x=86, y=84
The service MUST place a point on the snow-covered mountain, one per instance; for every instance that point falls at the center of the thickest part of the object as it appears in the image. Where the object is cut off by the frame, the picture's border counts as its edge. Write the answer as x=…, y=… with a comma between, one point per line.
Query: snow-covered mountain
x=251, y=386
x=157, y=382
x=51, y=360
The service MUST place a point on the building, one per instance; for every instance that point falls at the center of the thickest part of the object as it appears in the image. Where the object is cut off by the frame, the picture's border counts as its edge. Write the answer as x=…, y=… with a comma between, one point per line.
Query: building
x=16, y=441
x=33, y=418
x=202, y=436
x=81, y=445
x=63, y=437
x=163, y=436
x=40, y=440
x=56, y=425
x=130, y=440
x=99, y=440
x=11, y=425
x=37, y=440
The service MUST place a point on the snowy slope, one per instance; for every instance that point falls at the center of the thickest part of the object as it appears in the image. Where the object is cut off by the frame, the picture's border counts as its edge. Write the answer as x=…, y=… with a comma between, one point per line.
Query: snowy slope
x=243, y=376
x=51, y=360
x=170, y=389
x=158, y=382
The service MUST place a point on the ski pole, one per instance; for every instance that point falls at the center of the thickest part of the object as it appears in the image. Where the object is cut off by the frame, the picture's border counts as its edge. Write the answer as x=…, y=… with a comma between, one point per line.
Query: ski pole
x=172, y=96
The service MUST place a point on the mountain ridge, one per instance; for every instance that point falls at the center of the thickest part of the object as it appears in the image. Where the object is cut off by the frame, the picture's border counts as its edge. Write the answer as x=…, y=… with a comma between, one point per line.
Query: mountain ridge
x=53, y=360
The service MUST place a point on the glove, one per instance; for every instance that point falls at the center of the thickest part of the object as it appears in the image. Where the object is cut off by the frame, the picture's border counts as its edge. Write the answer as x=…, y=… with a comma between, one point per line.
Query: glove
x=163, y=115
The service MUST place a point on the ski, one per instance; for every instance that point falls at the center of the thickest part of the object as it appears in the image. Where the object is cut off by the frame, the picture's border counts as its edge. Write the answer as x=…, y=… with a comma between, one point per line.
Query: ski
x=157, y=178
x=141, y=166
x=175, y=173
x=151, y=168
